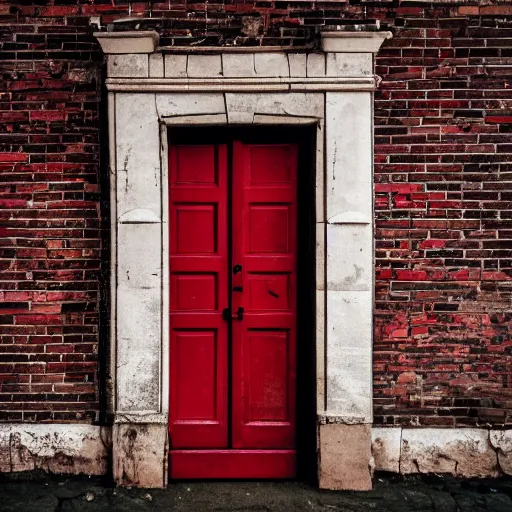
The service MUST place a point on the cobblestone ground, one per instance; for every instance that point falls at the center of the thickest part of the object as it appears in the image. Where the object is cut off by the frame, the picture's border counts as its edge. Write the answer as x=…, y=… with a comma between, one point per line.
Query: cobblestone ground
x=390, y=494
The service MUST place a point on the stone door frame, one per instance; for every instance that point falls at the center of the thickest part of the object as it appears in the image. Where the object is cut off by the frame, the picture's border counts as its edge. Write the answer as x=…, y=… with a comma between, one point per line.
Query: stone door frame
x=152, y=88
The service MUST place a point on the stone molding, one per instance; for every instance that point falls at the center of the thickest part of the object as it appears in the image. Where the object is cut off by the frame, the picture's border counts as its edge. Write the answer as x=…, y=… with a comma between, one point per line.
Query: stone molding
x=241, y=84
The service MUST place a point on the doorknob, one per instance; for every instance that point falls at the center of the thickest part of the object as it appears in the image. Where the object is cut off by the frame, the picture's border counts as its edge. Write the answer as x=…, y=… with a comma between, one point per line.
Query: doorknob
x=227, y=315
x=237, y=268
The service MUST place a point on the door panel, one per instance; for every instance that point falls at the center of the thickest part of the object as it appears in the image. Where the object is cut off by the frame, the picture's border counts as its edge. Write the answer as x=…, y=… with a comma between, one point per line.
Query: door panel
x=264, y=341
x=199, y=292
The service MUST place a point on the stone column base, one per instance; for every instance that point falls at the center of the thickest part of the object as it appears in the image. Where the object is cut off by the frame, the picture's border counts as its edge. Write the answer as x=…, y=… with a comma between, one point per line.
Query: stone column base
x=345, y=457
x=140, y=454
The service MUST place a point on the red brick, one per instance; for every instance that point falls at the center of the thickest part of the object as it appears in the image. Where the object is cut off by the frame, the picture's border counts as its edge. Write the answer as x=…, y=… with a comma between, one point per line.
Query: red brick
x=439, y=207
x=13, y=157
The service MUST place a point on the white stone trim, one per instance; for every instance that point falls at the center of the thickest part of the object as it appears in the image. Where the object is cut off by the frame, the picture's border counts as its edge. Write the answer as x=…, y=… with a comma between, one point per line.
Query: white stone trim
x=148, y=93
x=84, y=449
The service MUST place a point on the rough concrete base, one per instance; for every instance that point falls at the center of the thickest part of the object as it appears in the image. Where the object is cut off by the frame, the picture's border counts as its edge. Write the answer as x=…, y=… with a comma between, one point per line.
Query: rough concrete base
x=54, y=448
x=140, y=455
x=345, y=457
x=140, y=452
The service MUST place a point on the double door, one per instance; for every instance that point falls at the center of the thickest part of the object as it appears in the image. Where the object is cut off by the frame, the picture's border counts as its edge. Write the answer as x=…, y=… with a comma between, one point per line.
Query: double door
x=233, y=261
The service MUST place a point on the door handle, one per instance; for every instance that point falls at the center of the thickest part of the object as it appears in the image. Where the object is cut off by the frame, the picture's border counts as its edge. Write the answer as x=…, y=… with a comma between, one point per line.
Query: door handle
x=227, y=315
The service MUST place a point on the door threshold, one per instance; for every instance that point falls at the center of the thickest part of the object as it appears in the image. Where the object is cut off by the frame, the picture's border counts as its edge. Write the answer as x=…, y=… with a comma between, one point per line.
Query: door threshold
x=232, y=464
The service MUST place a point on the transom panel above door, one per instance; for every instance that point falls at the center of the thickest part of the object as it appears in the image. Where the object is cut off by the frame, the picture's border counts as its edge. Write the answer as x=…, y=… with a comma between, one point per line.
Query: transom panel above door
x=233, y=271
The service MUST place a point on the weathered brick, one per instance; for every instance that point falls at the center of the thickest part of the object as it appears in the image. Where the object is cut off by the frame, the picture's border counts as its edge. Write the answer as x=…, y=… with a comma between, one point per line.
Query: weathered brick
x=443, y=171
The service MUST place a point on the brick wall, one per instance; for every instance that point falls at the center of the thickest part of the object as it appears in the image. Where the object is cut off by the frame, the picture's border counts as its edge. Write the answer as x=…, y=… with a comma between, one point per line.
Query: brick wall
x=443, y=158
x=443, y=114
x=50, y=247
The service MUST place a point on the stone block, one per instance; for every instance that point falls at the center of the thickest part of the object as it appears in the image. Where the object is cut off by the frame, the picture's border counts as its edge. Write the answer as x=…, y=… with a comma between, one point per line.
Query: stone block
x=349, y=355
x=240, y=65
x=204, y=66
x=464, y=452
x=139, y=317
x=501, y=441
x=54, y=448
x=348, y=156
x=138, y=175
x=297, y=64
x=356, y=42
x=271, y=64
x=315, y=65
x=349, y=64
x=349, y=257
x=156, y=65
x=184, y=104
x=130, y=41
x=292, y=104
x=140, y=455
x=386, y=449
x=345, y=457
x=175, y=65
x=128, y=66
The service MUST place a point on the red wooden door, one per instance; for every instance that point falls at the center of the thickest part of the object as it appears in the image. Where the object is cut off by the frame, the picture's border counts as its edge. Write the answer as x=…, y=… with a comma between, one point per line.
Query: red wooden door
x=199, y=292
x=264, y=244
x=246, y=358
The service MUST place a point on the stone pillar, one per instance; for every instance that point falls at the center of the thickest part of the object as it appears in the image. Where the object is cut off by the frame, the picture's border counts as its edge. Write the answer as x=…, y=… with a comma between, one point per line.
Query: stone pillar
x=139, y=437
x=345, y=427
x=140, y=430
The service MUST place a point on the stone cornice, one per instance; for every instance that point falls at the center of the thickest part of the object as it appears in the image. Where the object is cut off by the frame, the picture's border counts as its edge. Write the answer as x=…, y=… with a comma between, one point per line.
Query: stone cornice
x=136, y=42
x=353, y=42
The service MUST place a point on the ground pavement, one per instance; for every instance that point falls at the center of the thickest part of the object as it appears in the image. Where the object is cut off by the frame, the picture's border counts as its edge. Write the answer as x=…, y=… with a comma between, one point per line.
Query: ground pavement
x=390, y=494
